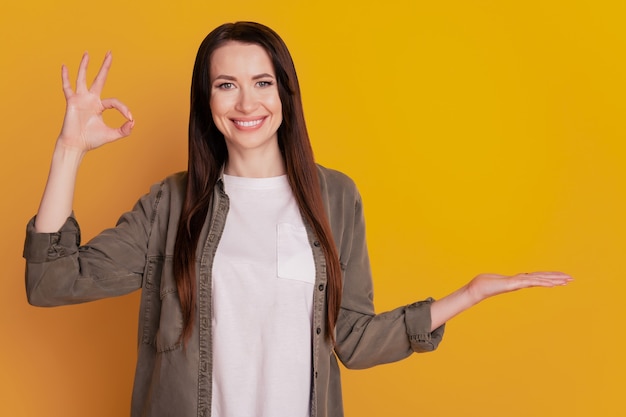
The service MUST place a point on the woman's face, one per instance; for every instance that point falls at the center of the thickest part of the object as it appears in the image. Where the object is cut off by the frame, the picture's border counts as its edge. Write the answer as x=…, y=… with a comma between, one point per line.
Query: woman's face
x=244, y=98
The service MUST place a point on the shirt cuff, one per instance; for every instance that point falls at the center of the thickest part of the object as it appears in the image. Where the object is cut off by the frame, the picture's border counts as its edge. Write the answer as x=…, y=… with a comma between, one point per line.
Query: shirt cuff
x=45, y=247
x=418, y=322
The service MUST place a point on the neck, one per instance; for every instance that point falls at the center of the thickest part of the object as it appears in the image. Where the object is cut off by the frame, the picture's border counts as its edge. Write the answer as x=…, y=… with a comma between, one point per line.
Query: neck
x=255, y=164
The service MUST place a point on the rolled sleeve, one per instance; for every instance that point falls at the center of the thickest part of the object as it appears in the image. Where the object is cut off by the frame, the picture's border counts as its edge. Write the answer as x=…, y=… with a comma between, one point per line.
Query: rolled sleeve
x=45, y=247
x=366, y=340
x=418, y=323
x=60, y=270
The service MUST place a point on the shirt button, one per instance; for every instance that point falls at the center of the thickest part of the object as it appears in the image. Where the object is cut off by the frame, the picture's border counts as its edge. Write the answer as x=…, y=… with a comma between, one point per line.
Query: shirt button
x=321, y=287
x=316, y=243
x=318, y=330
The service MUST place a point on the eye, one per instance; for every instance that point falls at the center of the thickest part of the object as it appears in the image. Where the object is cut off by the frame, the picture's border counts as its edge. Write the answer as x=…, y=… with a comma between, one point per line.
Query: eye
x=226, y=86
x=264, y=84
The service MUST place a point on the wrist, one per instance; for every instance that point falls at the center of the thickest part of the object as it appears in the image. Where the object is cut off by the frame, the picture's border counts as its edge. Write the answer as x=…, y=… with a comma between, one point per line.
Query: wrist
x=472, y=294
x=67, y=154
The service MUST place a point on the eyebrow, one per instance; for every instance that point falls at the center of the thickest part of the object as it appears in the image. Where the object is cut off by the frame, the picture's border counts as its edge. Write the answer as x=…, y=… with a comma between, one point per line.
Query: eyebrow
x=231, y=78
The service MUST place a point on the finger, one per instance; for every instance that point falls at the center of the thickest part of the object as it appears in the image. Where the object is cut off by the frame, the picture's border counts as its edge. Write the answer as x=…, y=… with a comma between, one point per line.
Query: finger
x=65, y=79
x=126, y=128
x=113, y=103
x=530, y=280
x=548, y=274
x=81, y=79
x=543, y=282
x=98, y=82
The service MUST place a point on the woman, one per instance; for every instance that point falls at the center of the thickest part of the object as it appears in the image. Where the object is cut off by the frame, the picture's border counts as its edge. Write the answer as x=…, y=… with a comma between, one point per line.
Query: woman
x=253, y=265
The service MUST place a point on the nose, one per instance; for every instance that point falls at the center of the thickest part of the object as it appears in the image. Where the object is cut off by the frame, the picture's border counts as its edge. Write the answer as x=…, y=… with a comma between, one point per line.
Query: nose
x=247, y=101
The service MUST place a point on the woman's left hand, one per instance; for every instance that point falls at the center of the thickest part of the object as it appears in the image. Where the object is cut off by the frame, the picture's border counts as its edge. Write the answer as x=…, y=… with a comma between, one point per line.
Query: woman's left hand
x=487, y=285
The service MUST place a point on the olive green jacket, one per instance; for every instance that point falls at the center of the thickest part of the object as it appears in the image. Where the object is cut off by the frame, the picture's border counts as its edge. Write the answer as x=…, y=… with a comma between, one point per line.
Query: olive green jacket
x=137, y=253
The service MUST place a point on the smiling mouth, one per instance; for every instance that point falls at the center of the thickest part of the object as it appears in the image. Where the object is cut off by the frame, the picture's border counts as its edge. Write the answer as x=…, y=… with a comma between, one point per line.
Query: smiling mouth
x=248, y=123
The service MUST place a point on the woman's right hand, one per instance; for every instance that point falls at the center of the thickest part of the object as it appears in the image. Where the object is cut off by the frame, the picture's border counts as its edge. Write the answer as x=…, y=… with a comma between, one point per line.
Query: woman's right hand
x=83, y=127
x=83, y=130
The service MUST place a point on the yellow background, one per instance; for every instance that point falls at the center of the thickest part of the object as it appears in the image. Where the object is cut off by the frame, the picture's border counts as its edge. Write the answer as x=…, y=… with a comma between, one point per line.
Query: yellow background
x=485, y=136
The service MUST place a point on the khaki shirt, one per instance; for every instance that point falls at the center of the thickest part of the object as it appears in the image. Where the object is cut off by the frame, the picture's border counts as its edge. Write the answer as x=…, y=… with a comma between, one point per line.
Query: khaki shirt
x=137, y=253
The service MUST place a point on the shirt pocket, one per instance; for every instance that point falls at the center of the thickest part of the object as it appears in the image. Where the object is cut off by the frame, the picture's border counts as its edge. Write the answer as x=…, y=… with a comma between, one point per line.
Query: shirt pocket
x=161, y=315
x=294, y=254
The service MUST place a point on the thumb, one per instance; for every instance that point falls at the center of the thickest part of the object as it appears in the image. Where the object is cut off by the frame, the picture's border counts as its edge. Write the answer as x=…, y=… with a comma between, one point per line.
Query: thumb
x=126, y=128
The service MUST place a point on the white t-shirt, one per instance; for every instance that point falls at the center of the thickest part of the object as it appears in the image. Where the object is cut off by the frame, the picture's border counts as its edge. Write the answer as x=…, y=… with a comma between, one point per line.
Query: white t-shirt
x=263, y=277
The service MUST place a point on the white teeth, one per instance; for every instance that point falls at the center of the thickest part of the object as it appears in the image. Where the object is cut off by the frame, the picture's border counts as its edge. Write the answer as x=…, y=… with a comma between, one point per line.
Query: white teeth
x=248, y=123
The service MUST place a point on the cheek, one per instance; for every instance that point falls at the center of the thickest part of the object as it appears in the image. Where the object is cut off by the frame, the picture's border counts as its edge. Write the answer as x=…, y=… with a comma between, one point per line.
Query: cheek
x=219, y=123
x=277, y=107
x=214, y=106
x=217, y=111
x=220, y=102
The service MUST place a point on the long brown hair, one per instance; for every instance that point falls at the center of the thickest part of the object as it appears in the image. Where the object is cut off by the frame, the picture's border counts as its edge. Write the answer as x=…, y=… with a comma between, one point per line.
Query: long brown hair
x=208, y=153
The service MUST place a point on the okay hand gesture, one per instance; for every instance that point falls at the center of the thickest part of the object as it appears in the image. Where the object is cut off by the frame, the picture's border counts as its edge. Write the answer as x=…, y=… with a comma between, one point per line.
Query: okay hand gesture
x=83, y=126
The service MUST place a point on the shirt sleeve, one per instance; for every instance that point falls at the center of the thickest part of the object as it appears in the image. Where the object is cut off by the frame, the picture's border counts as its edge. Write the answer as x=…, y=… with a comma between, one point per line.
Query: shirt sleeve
x=60, y=271
x=364, y=338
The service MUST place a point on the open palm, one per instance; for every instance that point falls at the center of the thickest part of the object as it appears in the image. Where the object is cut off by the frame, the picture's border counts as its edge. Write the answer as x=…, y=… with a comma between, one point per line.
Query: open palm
x=488, y=285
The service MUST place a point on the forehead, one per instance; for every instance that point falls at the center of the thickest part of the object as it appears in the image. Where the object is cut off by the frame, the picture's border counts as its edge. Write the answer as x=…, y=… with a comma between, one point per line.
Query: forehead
x=240, y=59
